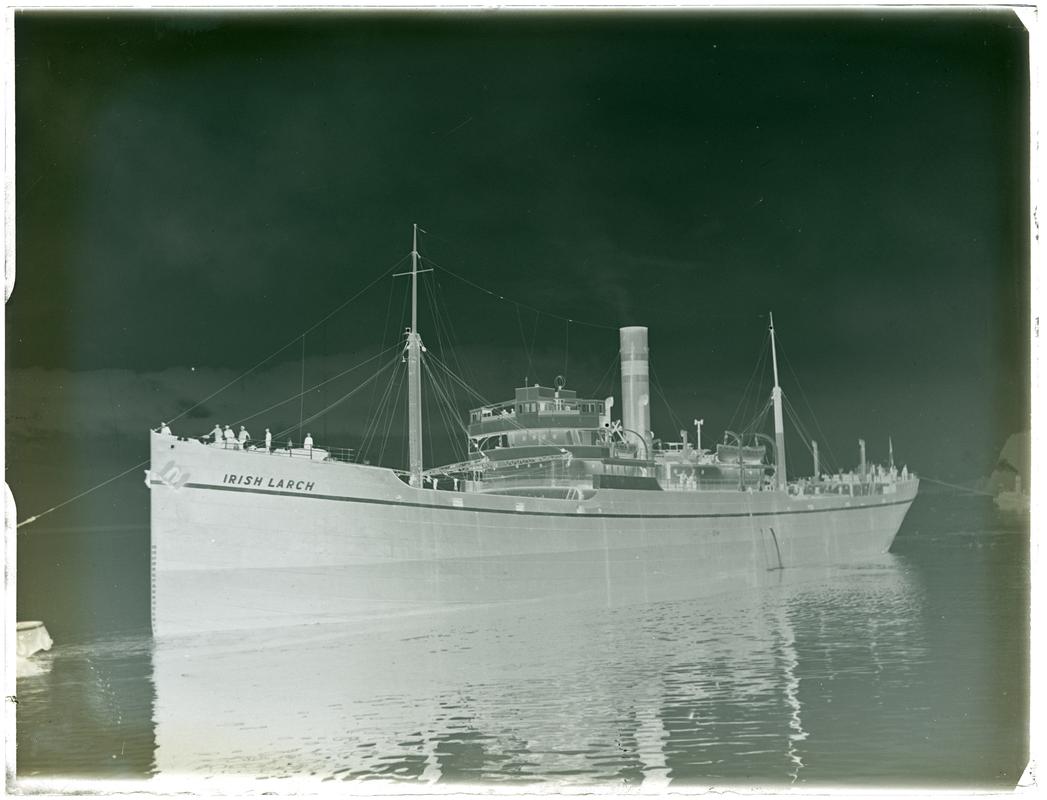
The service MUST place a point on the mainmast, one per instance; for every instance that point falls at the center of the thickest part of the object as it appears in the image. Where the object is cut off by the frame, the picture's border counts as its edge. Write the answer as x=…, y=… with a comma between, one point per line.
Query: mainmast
x=414, y=372
x=779, y=428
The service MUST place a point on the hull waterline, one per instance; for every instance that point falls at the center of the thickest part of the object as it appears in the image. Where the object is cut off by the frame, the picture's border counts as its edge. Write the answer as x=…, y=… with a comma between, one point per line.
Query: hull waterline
x=249, y=539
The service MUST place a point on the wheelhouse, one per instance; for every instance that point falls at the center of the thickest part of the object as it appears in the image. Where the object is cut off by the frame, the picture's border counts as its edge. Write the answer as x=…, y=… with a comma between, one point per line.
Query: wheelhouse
x=540, y=416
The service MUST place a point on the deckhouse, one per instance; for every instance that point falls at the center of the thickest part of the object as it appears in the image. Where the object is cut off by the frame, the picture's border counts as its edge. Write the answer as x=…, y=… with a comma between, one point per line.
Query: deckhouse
x=541, y=416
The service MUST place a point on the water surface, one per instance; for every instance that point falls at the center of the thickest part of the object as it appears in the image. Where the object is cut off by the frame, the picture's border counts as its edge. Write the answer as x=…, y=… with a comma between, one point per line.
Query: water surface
x=909, y=670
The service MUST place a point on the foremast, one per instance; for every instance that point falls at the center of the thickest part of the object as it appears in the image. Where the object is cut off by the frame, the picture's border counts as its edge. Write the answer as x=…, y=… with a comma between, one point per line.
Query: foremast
x=779, y=428
x=414, y=373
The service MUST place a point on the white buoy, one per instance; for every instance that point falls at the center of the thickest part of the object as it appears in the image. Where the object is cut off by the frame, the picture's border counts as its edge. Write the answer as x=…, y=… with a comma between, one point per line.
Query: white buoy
x=32, y=637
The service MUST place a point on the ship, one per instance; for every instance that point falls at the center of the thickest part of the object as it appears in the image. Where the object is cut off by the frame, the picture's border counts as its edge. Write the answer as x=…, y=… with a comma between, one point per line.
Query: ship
x=557, y=501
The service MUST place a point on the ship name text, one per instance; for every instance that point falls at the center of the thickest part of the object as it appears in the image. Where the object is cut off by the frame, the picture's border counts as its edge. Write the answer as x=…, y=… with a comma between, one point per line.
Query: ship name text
x=271, y=483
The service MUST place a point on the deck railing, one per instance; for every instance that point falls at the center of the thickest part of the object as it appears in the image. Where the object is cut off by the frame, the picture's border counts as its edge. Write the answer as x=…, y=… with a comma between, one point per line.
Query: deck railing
x=314, y=453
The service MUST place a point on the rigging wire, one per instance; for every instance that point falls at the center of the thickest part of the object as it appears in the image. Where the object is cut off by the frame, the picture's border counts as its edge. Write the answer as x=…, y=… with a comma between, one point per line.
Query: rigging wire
x=388, y=314
x=757, y=421
x=340, y=400
x=389, y=423
x=446, y=342
x=803, y=395
x=221, y=389
x=503, y=298
x=441, y=410
x=444, y=326
x=443, y=320
x=376, y=416
x=752, y=398
x=805, y=438
x=276, y=352
x=446, y=407
x=665, y=400
x=484, y=401
x=615, y=361
x=443, y=337
x=385, y=327
x=745, y=397
x=452, y=417
x=794, y=418
x=106, y=482
x=534, y=332
x=301, y=396
x=316, y=386
x=829, y=459
x=957, y=486
x=566, y=345
x=399, y=343
x=444, y=329
x=523, y=338
x=469, y=389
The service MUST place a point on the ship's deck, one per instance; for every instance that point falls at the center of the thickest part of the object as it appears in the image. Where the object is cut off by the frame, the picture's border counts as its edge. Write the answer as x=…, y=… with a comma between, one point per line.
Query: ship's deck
x=879, y=481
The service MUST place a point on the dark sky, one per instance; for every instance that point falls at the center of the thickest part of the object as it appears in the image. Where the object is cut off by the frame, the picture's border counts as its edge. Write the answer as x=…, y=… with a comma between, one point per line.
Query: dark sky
x=194, y=191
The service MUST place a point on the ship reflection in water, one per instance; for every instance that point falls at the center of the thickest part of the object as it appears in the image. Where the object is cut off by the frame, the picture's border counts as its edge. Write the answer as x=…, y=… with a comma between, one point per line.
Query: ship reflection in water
x=874, y=674
x=705, y=689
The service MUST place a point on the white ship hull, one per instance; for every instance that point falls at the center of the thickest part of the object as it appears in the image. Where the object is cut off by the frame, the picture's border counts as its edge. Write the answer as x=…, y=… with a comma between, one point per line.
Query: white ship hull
x=244, y=539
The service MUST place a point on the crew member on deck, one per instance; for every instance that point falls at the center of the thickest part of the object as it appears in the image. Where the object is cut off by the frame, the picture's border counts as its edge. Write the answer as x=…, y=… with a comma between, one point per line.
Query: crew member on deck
x=230, y=439
x=244, y=437
x=165, y=430
x=216, y=434
x=268, y=441
x=308, y=443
